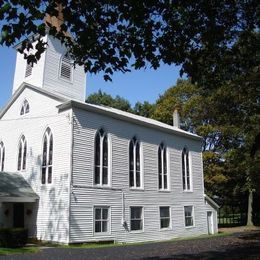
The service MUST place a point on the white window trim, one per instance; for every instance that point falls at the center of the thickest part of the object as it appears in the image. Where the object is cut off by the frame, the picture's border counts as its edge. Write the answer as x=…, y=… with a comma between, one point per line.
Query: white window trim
x=22, y=156
x=109, y=166
x=168, y=189
x=100, y=234
x=23, y=106
x=141, y=166
x=170, y=212
x=2, y=156
x=190, y=171
x=140, y=230
x=71, y=71
x=193, y=216
x=46, y=176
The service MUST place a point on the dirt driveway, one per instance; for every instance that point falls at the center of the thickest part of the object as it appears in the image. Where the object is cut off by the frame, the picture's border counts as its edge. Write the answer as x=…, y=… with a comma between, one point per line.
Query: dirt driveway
x=243, y=244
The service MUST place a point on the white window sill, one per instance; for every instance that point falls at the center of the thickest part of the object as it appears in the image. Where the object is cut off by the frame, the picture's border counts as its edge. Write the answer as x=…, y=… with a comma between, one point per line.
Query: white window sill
x=105, y=187
x=187, y=191
x=102, y=234
x=190, y=227
x=166, y=190
x=136, y=231
x=165, y=229
x=136, y=189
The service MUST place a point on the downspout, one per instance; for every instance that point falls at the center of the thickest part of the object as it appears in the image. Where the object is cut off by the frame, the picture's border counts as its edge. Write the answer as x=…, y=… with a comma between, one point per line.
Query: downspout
x=71, y=122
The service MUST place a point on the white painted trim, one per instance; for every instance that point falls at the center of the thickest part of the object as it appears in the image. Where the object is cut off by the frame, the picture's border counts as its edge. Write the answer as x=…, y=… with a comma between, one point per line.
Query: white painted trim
x=71, y=71
x=170, y=215
x=18, y=199
x=126, y=116
x=193, y=216
x=140, y=230
x=101, y=234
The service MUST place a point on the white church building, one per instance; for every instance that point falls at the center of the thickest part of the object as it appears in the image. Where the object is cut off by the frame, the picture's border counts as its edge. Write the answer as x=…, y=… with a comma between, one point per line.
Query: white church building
x=73, y=172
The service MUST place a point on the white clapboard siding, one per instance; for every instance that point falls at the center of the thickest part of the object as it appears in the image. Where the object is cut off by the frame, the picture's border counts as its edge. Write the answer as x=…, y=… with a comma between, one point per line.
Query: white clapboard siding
x=52, y=210
x=74, y=89
x=85, y=196
x=36, y=77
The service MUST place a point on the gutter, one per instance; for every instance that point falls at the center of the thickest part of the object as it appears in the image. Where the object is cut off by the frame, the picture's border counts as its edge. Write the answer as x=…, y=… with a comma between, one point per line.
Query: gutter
x=128, y=117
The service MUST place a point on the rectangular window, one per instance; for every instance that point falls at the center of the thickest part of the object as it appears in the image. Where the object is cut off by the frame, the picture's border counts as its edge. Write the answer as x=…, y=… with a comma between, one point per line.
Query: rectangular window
x=101, y=215
x=136, y=215
x=164, y=217
x=188, y=213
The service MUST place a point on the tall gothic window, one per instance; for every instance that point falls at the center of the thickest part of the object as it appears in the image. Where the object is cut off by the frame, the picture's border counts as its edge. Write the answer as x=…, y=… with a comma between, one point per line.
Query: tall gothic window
x=47, y=156
x=2, y=156
x=162, y=168
x=101, y=159
x=186, y=178
x=22, y=153
x=134, y=164
x=25, y=109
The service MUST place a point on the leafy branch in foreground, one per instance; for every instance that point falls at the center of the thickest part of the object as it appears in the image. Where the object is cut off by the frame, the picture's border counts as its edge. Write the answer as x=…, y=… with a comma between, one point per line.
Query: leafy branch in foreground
x=112, y=36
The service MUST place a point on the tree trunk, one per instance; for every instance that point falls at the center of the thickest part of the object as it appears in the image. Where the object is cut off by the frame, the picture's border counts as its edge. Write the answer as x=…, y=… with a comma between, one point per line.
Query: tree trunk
x=250, y=208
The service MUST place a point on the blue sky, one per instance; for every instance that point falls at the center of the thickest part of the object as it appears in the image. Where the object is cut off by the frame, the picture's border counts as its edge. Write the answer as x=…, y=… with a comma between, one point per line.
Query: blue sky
x=141, y=85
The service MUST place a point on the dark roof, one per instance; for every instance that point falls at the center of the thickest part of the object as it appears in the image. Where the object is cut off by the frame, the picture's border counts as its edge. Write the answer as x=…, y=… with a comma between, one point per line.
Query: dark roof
x=14, y=188
x=211, y=202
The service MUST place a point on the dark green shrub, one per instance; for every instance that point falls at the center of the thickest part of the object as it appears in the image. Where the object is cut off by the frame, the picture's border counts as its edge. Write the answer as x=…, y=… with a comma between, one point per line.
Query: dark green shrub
x=13, y=237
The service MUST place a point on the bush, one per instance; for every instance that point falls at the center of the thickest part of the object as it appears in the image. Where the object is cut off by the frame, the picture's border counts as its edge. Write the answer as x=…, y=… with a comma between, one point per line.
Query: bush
x=13, y=237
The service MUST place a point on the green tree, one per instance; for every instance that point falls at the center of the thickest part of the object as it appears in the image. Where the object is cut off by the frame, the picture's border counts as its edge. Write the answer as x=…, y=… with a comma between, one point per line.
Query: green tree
x=102, y=98
x=111, y=36
x=228, y=121
x=145, y=109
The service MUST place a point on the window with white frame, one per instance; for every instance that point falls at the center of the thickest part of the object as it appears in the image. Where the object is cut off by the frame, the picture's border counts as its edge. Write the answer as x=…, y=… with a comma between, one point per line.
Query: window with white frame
x=2, y=156
x=186, y=175
x=25, y=109
x=101, y=219
x=66, y=68
x=164, y=217
x=47, y=157
x=136, y=218
x=22, y=153
x=101, y=159
x=135, y=179
x=162, y=167
x=189, y=216
x=28, y=70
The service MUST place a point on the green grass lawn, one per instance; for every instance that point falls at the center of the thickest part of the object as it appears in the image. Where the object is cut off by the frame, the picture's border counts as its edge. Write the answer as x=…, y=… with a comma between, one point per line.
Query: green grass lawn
x=22, y=250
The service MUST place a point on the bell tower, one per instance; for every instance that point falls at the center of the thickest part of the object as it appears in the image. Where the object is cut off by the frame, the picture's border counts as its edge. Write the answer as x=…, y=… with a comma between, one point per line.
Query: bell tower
x=55, y=71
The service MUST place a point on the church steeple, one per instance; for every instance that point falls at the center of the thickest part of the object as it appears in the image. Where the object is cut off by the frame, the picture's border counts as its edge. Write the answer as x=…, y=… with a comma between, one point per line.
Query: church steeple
x=55, y=70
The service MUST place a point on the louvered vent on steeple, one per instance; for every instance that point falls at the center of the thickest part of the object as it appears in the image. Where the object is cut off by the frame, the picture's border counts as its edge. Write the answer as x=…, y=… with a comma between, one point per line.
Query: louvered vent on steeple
x=28, y=71
x=66, y=68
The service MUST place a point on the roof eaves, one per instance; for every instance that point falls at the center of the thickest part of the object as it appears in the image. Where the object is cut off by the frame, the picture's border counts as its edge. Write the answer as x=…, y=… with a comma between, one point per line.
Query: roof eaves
x=211, y=201
x=20, y=90
x=126, y=116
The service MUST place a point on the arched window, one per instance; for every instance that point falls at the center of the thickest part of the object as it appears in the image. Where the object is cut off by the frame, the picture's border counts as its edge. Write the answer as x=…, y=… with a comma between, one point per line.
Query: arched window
x=66, y=68
x=162, y=167
x=22, y=152
x=2, y=156
x=28, y=70
x=25, y=109
x=101, y=159
x=47, y=156
x=134, y=164
x=186, y=180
